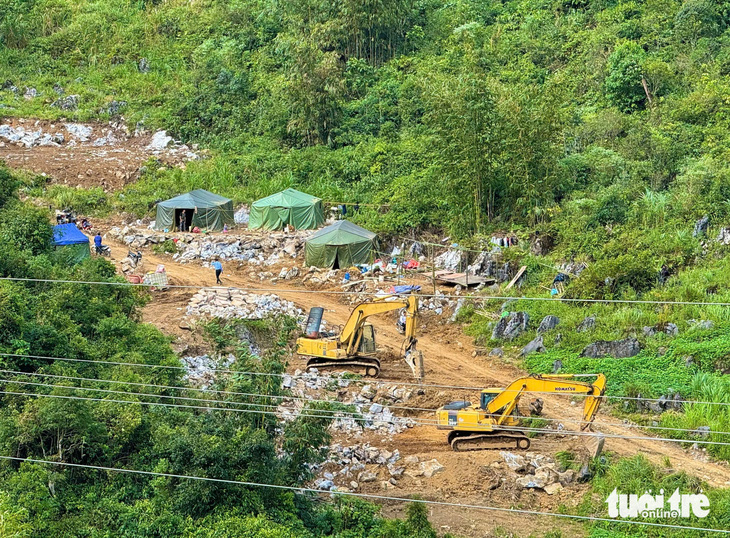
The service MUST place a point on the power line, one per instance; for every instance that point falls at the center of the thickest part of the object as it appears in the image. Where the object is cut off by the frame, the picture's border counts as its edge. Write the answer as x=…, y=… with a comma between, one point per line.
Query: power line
x=393, y=420
x=358, y=381
x=366, y=495
x=298, y=398
x=345, y=292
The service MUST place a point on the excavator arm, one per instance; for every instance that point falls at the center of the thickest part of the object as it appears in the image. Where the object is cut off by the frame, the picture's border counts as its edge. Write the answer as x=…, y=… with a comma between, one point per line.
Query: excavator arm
x=352, y=331
x=504, y=403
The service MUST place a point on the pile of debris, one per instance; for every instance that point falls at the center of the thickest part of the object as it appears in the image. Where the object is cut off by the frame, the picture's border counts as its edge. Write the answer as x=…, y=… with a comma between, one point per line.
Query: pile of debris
x=365, y=413
x=234, y=303
x=266, y=249
x=536, y=471
x=348, y=467
x=201, y=369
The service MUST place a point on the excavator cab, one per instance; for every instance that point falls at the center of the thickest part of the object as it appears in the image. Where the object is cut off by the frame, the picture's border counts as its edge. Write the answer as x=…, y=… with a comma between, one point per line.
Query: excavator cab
x=367, y=342
x=487, y=396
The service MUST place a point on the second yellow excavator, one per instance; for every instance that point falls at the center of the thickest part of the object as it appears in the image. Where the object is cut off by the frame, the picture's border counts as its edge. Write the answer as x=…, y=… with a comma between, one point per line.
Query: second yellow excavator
x=355, y=345
x=494, y=423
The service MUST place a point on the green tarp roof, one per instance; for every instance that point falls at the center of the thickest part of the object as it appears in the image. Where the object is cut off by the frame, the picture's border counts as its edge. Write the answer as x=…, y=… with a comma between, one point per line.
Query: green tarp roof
x=288, y=207
x=199, y=198
x=342, y=232
x=341, y=244
x=287, y=198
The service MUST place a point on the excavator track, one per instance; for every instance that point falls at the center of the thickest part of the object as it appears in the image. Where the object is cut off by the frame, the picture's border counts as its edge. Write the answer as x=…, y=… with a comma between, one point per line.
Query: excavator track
x=365, y=365
x=467, y=441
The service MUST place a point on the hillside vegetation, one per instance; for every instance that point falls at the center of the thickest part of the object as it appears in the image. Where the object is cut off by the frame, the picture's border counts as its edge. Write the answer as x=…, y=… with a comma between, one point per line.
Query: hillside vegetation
x=603, y=121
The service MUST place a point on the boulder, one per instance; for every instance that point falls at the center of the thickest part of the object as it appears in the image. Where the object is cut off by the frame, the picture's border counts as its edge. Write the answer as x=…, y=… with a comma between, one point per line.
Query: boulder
x=496, y=352
x=431, y=468
x=510, y=327
x=629, y=347
x=368, y=476
x=587, y=324
x=514, y=461
x=701, y=226
x=548, y=323
x=536, y=346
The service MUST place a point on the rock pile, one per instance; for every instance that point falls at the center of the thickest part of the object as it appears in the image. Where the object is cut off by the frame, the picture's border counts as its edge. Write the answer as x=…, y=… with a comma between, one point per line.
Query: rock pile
x=348, y=467
x=537, y=471
x=267, y=249
x=235, y=303
x=201, y=369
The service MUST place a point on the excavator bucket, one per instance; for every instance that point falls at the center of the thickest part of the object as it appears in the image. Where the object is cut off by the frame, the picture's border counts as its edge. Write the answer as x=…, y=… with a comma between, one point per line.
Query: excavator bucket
x=414, y=360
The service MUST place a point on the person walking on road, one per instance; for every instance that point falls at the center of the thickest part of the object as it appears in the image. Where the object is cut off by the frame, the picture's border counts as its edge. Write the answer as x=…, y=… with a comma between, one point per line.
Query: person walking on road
x=218, y=270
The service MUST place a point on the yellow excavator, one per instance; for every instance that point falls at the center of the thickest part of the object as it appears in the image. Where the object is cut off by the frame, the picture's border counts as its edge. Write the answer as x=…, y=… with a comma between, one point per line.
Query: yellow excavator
x=494, y=423
x=355, y=345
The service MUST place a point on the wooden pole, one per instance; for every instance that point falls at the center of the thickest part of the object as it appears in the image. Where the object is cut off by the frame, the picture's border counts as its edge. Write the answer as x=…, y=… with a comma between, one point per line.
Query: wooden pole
x=433, y=271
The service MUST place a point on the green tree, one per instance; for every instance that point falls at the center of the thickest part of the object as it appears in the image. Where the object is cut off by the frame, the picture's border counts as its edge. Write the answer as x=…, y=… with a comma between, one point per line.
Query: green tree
x=623, y=82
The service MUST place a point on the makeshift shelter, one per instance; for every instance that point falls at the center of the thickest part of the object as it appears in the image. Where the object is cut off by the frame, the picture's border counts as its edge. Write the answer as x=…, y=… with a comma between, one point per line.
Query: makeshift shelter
x=70, y=243
x=340, y=245
x=289, y=206
x=202, y=208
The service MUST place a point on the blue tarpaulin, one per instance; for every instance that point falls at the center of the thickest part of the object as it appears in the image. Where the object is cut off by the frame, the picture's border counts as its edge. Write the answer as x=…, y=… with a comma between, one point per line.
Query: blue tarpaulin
x=71, y=245
x=68, y=234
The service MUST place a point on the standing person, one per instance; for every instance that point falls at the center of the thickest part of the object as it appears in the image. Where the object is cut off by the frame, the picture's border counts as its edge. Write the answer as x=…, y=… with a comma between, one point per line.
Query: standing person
x=97, y=242
x=218, y=270
x=183, y=220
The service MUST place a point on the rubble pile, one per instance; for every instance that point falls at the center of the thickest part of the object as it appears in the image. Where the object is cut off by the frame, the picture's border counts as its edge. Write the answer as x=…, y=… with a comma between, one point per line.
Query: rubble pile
x=73, y=134
x=536, y=471
x=234, y=303
x=201, y=369
x=369, y=403
x=349, y=467
x=267, y=249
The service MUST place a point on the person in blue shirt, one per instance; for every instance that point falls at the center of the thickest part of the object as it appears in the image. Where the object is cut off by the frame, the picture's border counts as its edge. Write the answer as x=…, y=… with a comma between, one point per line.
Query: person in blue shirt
x=218, y=270
x=97, y=242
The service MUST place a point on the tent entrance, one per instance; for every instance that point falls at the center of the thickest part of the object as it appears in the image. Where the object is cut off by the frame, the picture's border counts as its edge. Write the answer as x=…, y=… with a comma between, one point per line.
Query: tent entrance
x=189, y=213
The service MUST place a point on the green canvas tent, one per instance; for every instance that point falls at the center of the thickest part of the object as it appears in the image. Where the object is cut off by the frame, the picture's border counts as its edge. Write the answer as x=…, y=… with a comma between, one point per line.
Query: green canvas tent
x=70, y=244
x=340, y=245
x=203, y=209
x=289, y=206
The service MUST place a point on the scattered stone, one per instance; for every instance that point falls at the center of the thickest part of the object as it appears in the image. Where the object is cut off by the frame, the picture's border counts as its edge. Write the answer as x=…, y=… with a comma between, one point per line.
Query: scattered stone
x=80, y=132
x=70, y=102
x=30, y=93
x=671, y=329
x=159, y=141
x=552, y=489
x=536, y=407
x=648, y=331
x=536, y=346
x=496, y=352
x=557, y=366
x=411, y=460
x=723, y=237
x=701, y=226
x=703, y=431
x=548, y=323
x=58, y=89
x=143, y=66
x=587, y=324
x=619, y=349
x=114, y=107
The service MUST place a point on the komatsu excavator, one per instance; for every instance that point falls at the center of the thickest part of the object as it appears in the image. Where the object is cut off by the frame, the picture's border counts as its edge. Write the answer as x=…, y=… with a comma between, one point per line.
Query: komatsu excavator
x=355, y=345
x=494, y=423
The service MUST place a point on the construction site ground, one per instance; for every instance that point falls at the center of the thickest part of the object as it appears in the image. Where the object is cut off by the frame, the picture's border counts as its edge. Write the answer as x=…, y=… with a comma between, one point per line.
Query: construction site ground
x=448, y=359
